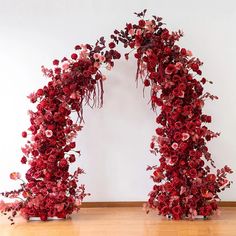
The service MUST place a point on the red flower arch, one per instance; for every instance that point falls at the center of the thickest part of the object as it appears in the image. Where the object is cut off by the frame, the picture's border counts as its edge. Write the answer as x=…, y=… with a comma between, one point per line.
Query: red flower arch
x=184, y=185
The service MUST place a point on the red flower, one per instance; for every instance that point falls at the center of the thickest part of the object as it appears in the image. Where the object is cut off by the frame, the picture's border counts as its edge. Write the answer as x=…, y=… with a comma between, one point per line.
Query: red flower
x=24, y=134
x=170, y=69
x=55, y=62
x=193, y=173
x=72, y=158
x=74, y=56
x=72, y=145
x=141, y=23
x=112, y=45
x=146, y=83
x=177, y=136
x=203, y=80
x=23, y=160
x=63, y=163
x=174, y=159
x=159, y=131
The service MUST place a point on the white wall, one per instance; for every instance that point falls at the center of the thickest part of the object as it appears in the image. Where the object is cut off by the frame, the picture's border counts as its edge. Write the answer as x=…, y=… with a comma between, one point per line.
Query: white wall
x=115, y=140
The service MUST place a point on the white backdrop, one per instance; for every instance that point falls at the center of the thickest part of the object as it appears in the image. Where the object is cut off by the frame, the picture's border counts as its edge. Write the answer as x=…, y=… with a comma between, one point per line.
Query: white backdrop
x=115, y=139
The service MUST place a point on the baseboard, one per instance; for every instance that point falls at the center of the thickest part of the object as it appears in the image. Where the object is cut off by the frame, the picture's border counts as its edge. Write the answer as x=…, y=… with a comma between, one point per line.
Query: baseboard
x=139, y=204
x=227, y=204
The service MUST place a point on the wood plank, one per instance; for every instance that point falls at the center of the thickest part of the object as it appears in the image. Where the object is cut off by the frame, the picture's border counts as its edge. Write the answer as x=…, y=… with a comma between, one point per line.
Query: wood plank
x=123, y=221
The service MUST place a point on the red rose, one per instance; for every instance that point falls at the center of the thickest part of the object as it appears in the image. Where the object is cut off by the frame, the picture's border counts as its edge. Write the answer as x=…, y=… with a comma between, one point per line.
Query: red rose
x=63, y=163
x=72, y=158
x=167, y=50
x=24, y=134
x=183, y=51
x=194, y=67
x=72, y=145
x=159, y=131
x=153, y=75
x=141, y=23
x=40, y=92
x=112, y=45
x=193, y=173
x=146, y=83
x=170, y=69
x=57, y=71
x=23, y=160
x=211, y=178
x=74, y=56
x=177, y=136
x=203, y=80
x=55, y=62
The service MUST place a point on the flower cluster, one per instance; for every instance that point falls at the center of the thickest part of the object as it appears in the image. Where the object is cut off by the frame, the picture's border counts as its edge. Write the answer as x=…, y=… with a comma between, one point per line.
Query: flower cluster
x=50, y=189
x=184, y=184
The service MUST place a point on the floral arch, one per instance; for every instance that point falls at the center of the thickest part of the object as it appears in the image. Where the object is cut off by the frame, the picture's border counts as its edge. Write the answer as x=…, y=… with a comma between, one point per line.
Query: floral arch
x=184, y=184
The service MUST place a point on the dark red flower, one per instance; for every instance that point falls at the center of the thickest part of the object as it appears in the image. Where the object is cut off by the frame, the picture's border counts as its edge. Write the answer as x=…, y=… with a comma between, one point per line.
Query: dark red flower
x=72, y=145
x=112, y=45
x=141, y=23
x=63, y=163
x=23, y=160
x=74, y=56
x=159, y=131
x=146, y=83
x=183, y=51
x=170, y=69
x=193, y=173
x=203, y=80
x=177, y=136
x=72, y=158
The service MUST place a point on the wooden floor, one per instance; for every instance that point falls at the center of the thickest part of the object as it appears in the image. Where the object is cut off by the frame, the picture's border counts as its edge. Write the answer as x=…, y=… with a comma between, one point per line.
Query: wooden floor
x=126, y=221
